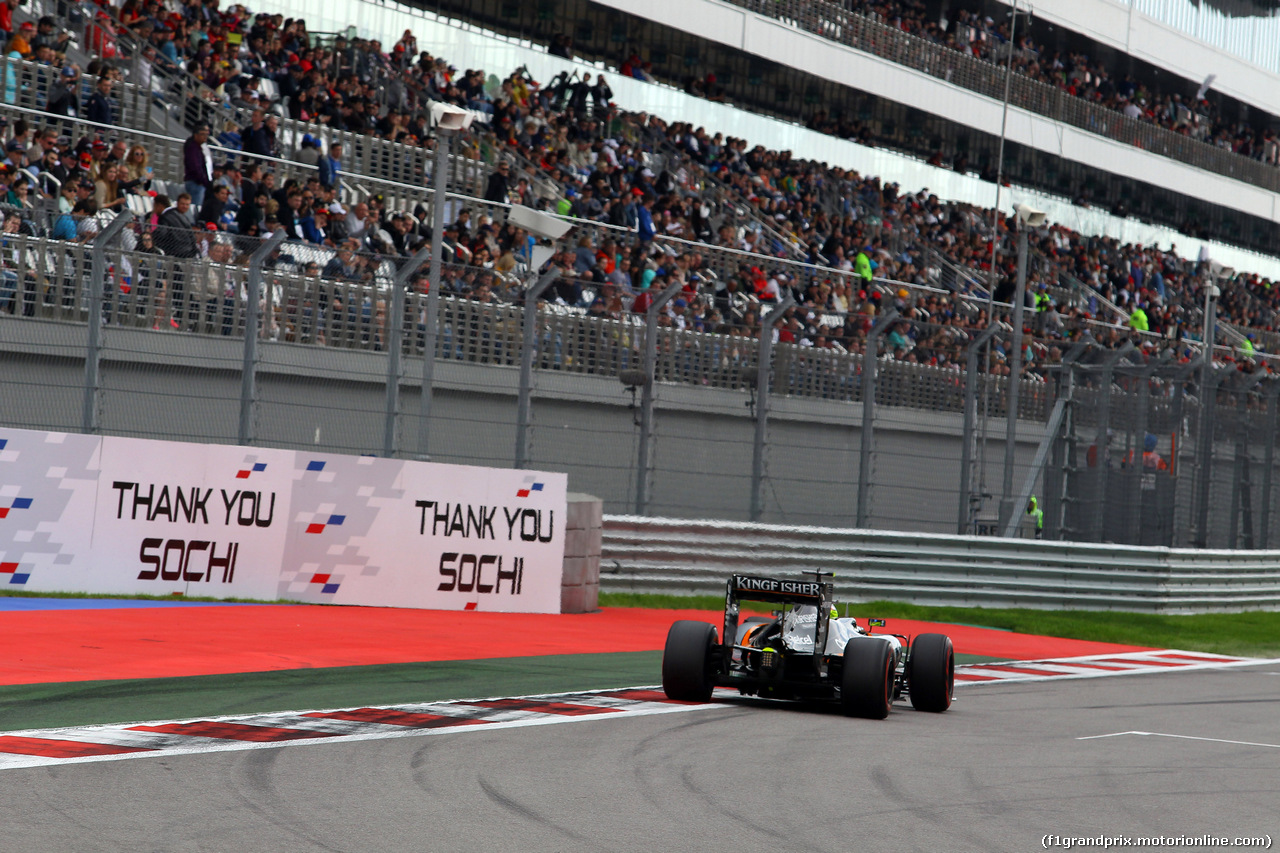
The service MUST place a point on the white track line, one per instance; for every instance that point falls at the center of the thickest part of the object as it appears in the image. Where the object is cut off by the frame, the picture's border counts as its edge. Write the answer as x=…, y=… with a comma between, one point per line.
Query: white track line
x=1184, y=737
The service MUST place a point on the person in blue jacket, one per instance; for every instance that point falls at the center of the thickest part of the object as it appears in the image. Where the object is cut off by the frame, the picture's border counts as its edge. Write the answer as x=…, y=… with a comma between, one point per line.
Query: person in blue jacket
x=644, y=219
x=329, y=165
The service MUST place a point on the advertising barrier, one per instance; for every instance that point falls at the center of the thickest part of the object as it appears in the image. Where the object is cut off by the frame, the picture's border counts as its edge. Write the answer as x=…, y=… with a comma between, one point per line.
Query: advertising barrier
x=103, y=514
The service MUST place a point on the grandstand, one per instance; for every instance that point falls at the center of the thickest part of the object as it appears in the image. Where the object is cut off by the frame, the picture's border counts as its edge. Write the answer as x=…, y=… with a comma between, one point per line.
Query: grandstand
x=656, y=199
x=770, y=61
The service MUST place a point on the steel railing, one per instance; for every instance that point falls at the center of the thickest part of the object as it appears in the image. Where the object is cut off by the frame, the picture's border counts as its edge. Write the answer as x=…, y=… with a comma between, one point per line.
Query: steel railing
x=869, y=35
x=29, y=85
x=684, y=557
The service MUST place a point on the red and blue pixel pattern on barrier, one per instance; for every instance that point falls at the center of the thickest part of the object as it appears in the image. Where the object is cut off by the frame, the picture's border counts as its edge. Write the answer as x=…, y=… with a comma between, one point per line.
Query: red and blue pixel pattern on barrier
x=11, y=568
x=319, y=526
x=15, y=576
x=18, y=503
x=327, y=586
x=36, y=497
x=255, y=468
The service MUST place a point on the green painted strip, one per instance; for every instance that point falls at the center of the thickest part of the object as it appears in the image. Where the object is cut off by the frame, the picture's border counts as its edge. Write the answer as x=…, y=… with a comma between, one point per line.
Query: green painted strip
x=31, y=706
x=964, y=659
x=38, y=706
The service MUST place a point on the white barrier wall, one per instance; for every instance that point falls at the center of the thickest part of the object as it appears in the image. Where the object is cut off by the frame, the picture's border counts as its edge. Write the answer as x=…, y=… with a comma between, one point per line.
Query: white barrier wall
x=84, y=513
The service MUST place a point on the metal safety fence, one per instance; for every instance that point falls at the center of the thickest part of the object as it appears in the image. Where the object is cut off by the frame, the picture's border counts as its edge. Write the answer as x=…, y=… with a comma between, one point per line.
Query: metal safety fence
x=37, y=86
x=1156, y=452
x=902, y=424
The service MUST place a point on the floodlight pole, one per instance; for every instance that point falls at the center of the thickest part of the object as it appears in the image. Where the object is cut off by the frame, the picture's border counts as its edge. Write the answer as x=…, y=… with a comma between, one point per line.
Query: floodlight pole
x=1004, y=126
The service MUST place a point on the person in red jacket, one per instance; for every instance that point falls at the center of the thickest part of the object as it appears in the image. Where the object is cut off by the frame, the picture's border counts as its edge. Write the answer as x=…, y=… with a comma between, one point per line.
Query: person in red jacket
x=6, y=17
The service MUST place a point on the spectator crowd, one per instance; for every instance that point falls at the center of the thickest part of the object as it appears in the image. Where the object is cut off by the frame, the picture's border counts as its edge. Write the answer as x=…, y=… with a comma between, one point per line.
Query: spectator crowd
x=737, y=226
x=1196, y=112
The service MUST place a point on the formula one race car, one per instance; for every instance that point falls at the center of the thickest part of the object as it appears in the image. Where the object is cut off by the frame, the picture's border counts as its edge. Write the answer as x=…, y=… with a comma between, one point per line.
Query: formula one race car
x=805, y=651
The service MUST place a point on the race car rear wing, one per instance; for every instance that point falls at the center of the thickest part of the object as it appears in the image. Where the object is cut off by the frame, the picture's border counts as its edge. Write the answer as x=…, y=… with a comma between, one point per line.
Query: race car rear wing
x=779, y=591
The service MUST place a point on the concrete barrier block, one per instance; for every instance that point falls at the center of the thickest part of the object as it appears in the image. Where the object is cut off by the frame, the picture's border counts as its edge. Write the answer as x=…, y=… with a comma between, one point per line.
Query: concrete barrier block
x=575, y=543
x=583, y=512
x=571, y=599
x=583, y=598
x=575, y=571
x=591, y=570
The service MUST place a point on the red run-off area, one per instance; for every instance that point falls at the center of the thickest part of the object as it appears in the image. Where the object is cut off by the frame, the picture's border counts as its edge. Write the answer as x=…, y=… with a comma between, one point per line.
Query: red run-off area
x=157, y=642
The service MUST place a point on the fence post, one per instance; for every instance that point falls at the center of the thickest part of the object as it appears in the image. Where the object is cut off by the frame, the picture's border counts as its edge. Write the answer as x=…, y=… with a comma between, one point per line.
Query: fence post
x=530, y=331
x=1239, y=486
x=1053, y=486
x=395, y=346
x=869, y=362
x=964, y=517
x=1137, y=464
x=1208, y=395
x=646, y=397
x=431, y=322
x=1008, y=512
x=1204, y=469
x=1103, y=441
x=143, y=93
x=93, y=349
x=1272, y=395
x=249, y=370
x=1055, y=480
x=1179, y=378
x=764, y=363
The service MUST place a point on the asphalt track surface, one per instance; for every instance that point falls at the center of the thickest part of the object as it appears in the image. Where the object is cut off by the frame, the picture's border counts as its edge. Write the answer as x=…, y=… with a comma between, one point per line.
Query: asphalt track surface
x=1003, y=768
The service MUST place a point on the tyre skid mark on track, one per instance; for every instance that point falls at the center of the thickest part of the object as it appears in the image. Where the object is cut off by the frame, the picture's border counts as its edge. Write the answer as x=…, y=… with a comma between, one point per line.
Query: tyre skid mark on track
x=301, y=728
x=510, y=803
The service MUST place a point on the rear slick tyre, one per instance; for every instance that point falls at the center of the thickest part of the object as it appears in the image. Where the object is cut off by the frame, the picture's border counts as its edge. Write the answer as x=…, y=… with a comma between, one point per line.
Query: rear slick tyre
x=931, y=673
x=866, y=685
x=686, y=661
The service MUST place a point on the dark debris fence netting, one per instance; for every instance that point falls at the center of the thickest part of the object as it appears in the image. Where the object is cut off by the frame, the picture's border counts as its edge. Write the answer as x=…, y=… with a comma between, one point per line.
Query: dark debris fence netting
x=174, y=308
